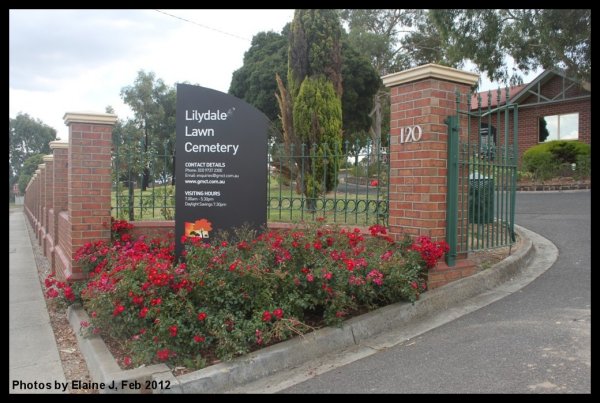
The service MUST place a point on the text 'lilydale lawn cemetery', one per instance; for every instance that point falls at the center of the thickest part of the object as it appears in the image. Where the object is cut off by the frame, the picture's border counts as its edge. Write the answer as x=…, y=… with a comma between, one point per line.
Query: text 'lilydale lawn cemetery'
x=194, y=115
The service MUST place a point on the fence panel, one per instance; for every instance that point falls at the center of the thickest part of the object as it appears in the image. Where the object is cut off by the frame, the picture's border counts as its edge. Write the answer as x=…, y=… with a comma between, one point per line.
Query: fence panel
x=358, y=183
x=485, y=169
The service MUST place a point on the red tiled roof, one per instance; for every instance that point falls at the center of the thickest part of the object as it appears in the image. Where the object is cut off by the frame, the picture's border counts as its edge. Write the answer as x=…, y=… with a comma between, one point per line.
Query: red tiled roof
x=513, y=91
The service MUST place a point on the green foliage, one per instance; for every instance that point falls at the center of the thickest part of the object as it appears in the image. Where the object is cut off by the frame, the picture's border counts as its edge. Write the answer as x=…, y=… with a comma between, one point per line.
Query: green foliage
x=568, y=151
x=375, y=34
x=361, y=83
x=318, y=123
x=157, y=202
x=545, y=160
x=315, y=49
x=243, y=292
x=541, y=164
x=583, y=167
x=255, y=82
x=310, y=107
x=534, y=38
x=27, y=136
x=29, y=167
x=564, y=151
x=153, y=127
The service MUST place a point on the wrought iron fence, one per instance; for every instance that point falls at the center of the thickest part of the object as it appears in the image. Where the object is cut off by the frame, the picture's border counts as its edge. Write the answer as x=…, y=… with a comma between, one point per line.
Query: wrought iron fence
x=358, y=182
x=143, y=183
x=482, y=171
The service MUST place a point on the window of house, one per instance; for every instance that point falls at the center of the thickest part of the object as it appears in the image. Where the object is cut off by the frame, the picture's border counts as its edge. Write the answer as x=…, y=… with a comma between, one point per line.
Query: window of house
x=559, y=127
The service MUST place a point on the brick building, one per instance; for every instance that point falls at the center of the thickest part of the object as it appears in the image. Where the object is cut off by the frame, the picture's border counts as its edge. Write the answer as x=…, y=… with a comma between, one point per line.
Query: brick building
x=551, y=107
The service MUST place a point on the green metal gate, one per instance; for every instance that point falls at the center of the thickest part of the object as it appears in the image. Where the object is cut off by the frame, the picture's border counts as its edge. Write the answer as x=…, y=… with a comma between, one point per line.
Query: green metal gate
x=482, y=172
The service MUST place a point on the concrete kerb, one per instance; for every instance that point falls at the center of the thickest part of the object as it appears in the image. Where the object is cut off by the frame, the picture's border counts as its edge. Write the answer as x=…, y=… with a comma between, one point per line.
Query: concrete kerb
x=101, y=363
x=291, y=353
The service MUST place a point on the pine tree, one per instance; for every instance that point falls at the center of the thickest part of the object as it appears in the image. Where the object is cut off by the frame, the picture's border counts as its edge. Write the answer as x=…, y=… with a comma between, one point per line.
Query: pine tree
x=311, y=106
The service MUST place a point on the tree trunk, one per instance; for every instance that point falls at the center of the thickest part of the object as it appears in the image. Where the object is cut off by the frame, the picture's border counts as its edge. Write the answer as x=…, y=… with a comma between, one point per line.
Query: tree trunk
x=130, y=199
x=284, y=101
x=375, y=130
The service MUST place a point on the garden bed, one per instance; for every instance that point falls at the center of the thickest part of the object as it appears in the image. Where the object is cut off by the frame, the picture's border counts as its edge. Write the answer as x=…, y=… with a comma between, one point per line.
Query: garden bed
x=241, y=294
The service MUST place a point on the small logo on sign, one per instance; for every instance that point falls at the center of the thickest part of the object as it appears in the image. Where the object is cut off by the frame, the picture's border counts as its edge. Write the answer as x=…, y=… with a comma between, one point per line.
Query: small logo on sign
x=199, y=228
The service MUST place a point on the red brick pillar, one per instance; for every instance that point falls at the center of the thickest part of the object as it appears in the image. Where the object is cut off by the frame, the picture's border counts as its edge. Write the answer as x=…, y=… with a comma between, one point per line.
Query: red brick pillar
x=42, y=219
x=60, y=162
x=421, y=99
x=29, y=200
x=89, y=181
x=38, y=202
x=48, y=202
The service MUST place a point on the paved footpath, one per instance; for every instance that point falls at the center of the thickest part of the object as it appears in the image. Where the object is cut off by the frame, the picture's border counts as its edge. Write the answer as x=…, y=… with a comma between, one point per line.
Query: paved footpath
x=34, y=360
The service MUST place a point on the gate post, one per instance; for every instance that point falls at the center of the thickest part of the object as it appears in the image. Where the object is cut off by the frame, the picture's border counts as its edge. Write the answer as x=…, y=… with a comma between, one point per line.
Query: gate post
x=421, y=100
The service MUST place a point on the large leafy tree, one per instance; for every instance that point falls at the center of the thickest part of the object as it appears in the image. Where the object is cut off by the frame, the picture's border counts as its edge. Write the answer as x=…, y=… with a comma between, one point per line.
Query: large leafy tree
x=396, y=39
x=255, y=82
x=153, y=105
x=310, y=106
x=533, y=38
x=375, y=34
x=30, y=165
x=28, y=136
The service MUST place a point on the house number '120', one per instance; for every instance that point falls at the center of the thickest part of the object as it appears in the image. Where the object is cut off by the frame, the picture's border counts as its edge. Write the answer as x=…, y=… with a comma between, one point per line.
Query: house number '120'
x=410, y=134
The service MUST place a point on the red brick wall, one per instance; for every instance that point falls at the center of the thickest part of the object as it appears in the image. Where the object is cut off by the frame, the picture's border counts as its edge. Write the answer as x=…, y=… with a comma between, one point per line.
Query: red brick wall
x=152, y=229
x=529, y=120
x=62, y=251
x=68, y=199
x=48, y=203
x=529, y=115
x=50, y=238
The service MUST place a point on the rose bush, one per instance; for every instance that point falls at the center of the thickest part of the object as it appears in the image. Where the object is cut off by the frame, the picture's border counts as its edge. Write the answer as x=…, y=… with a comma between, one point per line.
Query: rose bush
x=245, y=290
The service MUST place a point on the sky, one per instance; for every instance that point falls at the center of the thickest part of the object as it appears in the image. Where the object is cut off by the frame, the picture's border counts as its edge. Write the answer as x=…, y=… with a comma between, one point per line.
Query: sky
x=79, y=60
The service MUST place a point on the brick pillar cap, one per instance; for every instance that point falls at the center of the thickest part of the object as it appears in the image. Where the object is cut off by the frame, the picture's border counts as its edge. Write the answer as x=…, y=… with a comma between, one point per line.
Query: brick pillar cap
x=430, y=71
x=48, y=158
x=58, y=144
x=90, y=117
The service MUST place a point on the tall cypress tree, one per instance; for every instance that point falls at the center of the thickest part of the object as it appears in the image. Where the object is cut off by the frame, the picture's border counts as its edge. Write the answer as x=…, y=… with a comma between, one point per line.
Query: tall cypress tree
x=311, y=107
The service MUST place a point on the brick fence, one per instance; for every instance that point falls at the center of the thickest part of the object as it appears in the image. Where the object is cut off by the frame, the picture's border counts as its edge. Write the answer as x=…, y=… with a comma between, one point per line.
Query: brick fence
x=68, y=200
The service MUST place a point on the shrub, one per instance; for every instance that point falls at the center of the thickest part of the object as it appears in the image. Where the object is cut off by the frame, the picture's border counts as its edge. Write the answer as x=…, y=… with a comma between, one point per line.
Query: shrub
x=583, y=167
x=245, y=291
x=542, y=165
x=545, y=160
x=566, y=152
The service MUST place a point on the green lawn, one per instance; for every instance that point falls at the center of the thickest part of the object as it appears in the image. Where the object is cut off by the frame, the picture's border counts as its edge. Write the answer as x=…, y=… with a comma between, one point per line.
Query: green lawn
x=285, y=205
